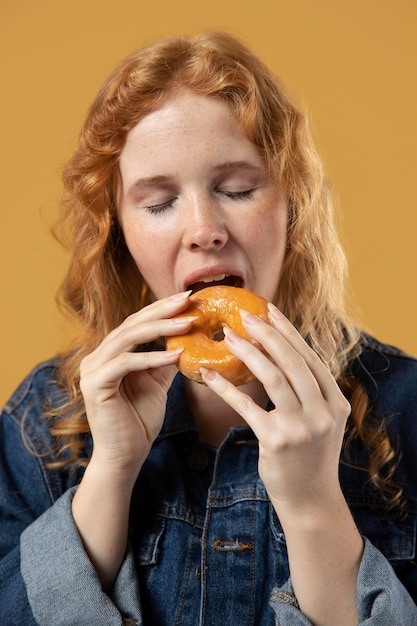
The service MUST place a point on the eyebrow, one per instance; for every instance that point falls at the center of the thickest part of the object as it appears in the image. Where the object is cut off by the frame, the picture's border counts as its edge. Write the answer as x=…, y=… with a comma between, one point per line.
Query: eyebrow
x=236, y=165
x=148, y=181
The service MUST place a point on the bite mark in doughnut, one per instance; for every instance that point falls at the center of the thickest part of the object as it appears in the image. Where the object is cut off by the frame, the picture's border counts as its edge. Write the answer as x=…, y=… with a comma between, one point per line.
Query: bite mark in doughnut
x=204, y=345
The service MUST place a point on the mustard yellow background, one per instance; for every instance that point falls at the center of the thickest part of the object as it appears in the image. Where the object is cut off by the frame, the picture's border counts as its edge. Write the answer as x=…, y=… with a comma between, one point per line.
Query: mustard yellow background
x=352, y=63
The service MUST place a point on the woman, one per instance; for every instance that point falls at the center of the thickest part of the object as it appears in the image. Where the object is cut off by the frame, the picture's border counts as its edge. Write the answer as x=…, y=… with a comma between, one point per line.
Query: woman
x=279, y=501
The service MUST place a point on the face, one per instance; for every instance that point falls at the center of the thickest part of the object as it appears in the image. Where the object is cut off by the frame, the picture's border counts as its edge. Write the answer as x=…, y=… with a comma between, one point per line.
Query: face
x=196, y=205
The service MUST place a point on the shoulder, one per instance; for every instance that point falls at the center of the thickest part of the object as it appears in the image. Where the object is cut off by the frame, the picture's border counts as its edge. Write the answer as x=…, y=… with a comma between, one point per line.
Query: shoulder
x=26, y=442
x=373, y=349
x=23, y=416
x=37, y=391
x=389, y=377
x=388, y=374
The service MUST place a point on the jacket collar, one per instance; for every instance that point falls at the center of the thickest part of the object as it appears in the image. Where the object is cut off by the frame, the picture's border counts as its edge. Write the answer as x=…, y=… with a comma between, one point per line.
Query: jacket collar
x=178, y=415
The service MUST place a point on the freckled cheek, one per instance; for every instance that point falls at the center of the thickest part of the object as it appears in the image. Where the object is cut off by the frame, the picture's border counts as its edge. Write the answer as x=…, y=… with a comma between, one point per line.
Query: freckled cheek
x=150, y=252
x=265, y=229
x=138, y=235
x=268, y=244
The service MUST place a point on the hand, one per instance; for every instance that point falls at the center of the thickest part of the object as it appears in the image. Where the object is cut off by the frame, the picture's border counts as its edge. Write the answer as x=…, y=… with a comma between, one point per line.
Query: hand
x=299, y=449
x=300, y=440
x=125, y=391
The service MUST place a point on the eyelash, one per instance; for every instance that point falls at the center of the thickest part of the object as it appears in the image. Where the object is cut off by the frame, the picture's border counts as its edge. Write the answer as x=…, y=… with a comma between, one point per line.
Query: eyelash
x=232, y=195
x=239, y=195
x=160, y=208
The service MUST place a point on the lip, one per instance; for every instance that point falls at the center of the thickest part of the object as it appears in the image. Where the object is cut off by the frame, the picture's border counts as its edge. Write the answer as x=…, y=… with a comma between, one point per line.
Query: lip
x=200, y=275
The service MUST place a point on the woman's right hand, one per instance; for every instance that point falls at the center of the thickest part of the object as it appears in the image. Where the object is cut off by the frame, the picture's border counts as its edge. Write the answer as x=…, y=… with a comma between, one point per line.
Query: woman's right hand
x=125, y=396
x=125, y=390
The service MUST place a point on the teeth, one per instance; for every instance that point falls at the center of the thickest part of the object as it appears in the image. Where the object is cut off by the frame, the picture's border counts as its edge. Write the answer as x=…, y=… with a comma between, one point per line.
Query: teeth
x=210, y=279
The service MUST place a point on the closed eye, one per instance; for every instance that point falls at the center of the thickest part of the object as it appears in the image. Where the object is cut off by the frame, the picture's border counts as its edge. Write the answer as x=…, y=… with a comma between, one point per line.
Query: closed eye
x=159, y=208
x=239, y=195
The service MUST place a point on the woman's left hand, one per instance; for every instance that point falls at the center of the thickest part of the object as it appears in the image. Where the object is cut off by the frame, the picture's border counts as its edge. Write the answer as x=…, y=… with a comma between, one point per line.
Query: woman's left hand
x=299, y=449
x=300, y=440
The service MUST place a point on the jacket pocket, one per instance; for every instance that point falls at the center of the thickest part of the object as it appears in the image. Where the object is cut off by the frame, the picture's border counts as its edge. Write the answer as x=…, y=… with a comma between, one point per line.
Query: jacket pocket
x=148, y=547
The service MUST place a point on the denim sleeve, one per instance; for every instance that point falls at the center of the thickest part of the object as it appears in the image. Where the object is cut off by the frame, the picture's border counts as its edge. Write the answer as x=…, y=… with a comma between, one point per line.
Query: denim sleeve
x=382, y=600
x=24, y=495
x=14, y=605
x=61, y=583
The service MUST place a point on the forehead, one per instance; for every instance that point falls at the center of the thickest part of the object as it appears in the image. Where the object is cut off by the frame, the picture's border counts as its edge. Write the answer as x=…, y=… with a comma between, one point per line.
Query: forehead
x=187, y=111
x=186, y=127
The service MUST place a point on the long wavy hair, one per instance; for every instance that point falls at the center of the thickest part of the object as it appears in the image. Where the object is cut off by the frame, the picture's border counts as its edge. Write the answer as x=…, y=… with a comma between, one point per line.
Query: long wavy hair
x=103, y=285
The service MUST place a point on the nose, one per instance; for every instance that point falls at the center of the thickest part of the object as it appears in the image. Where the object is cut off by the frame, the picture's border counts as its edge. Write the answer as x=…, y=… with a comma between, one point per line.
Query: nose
x=205, y=226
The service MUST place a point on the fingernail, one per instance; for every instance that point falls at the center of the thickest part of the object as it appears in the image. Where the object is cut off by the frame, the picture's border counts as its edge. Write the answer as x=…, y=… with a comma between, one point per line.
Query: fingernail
x=208, y=374
x=186, y=319
x=177, y=297
x=274, y=311
x=230, y=335
x=248, y=318
x=170, y=353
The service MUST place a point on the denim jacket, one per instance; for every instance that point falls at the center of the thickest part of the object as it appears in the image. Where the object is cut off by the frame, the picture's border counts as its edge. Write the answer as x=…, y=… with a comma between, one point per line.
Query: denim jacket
x=206, y=547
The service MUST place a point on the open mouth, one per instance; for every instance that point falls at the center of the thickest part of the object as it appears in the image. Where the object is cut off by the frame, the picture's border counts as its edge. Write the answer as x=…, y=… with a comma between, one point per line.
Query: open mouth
x=219, y=279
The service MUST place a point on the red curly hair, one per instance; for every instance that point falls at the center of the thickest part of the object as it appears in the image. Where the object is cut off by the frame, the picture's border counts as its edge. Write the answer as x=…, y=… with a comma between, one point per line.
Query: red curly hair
x=103, y=285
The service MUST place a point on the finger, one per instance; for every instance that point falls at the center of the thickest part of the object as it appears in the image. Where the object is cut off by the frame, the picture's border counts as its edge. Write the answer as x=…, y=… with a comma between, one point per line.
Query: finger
x=328, y=385
x=301, y=364
x=236, y=399
x=167, y=307
x=127, y=337
x=274, y=380
x=109, y=375
x=288, y=366
x=293, y=337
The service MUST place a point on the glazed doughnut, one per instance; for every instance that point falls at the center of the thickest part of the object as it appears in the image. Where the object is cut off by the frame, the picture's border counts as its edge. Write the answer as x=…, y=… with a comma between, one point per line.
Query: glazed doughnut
x=204, y=346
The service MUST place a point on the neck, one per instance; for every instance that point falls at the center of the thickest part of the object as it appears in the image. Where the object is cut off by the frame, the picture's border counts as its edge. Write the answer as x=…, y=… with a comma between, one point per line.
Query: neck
x=213, y=416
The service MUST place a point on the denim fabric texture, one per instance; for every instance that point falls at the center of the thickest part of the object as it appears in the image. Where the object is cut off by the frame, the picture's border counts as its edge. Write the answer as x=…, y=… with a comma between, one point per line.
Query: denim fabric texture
x=206, y=547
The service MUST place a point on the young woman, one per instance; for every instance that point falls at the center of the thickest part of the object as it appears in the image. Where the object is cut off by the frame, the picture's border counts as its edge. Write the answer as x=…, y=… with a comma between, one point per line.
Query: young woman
x=133, y=495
